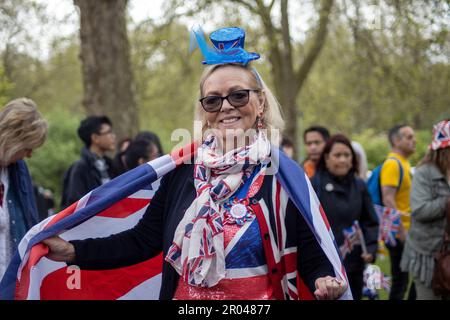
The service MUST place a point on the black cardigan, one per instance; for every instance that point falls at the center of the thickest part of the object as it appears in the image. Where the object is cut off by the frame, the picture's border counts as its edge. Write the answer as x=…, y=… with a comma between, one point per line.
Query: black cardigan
x=345, y=200
x=154, y=233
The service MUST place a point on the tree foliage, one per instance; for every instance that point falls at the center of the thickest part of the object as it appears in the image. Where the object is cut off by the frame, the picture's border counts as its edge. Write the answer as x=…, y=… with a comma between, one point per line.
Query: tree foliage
x=50, y=162
x=369, y=75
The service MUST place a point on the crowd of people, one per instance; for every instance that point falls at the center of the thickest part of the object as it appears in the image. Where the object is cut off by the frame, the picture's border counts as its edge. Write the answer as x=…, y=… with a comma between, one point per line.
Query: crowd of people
x=338, y=171
x=234, y=96
x=94, y=167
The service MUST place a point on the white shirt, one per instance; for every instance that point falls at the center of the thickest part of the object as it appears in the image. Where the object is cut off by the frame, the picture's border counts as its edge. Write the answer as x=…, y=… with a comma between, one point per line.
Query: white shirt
x=5, y=237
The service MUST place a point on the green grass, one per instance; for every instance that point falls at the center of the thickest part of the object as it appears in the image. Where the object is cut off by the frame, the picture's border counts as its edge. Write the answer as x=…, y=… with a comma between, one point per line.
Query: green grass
x=385, y=265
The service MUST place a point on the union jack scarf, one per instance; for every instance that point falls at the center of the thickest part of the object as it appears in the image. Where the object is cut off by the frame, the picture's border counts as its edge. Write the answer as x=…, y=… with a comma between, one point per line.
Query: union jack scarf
x=197, y=252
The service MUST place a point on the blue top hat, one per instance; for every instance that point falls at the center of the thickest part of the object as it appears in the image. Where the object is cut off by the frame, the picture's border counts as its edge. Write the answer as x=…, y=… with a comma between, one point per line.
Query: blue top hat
x=228, y=46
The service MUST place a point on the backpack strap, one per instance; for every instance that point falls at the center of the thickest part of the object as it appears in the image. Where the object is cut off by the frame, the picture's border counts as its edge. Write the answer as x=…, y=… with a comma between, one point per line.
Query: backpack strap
x=401, y=171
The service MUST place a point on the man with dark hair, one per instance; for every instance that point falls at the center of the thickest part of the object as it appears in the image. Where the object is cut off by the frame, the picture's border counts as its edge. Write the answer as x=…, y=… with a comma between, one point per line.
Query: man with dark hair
x=93, y=168
x=395, y=181
x=315, y=138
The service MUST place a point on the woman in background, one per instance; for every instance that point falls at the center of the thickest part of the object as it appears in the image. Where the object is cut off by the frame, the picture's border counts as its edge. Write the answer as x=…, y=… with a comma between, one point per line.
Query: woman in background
x=345, y=198
x=22, y=129
x=430, y=200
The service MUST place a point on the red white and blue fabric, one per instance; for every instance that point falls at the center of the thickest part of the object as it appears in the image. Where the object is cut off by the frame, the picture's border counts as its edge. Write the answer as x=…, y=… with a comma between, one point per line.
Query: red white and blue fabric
x=351, y=239
x=197, y=252
x=374, y=279
x=386, y=282
x=389, y=224
x=246, y=274
x=32, y=276
x=441, y=135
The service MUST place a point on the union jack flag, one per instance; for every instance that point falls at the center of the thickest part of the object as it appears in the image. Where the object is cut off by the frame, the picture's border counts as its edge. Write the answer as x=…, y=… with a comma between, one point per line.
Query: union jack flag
x=386, y=282
x=351, y=239
x=111, y=208
x=118, y=205
x=389, y=224
x=215, y=222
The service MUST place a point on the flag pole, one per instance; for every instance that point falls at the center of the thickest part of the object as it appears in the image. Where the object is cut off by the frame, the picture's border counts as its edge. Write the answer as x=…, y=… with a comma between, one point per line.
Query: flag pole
x=361, y=237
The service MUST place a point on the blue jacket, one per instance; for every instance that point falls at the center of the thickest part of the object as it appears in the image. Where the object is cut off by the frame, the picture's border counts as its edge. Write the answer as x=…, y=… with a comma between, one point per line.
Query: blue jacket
x=21, y=203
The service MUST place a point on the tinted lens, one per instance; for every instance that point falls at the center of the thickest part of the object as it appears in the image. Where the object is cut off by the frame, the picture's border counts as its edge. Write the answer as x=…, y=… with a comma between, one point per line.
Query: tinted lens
x=211, y=103
x=238, y=98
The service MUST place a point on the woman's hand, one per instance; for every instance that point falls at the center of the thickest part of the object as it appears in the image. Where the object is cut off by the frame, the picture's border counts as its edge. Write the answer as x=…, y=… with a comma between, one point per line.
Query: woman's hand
x=59, y=249
x=329, y=288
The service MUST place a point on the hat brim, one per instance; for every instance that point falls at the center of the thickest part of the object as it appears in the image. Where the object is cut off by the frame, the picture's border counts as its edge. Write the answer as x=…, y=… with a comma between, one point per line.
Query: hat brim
x=241, y=57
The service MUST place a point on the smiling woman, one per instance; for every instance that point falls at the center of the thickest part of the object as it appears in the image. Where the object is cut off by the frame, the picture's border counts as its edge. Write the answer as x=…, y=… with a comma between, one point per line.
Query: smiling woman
x=226, y=226
x=233, y=100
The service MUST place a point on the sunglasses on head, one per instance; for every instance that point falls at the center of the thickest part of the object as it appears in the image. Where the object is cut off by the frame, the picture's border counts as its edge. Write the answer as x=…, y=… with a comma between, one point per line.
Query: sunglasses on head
x=237, y=99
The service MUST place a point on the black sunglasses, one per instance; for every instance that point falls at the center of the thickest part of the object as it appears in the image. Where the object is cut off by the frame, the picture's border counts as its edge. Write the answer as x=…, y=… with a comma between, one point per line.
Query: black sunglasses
x=237, y=99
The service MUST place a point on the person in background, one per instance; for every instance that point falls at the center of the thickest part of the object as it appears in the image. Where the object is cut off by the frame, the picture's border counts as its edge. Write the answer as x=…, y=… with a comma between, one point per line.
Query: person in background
x=315, y=138
x=137, y=153
x=140, y=152
x=22, y=130
x=93, y=168
x=124, y=144
x=344, y=198
x=430, y=200
x=288, y=147
x=395, y=181
x=146, y=146
x=153, y=138
x=118, y=163
x=45, y=202
x=361, y=159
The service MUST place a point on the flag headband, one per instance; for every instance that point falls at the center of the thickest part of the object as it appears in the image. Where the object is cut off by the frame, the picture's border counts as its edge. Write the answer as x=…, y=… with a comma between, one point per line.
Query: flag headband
x=441, y=135
x=228, y=46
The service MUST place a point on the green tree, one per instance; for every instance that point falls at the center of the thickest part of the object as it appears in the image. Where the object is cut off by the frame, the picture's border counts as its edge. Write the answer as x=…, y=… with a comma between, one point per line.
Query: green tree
x=166, y=77
x=62, y=148
x=105, y=56
x=5, y=87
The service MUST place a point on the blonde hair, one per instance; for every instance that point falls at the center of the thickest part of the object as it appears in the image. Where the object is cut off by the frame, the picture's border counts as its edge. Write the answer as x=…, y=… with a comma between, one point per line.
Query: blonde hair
x=21, y=127
x=273, y=119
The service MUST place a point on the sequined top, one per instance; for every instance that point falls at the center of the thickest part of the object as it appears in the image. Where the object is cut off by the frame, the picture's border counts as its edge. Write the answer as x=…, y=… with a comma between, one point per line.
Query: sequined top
x=246, y=269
